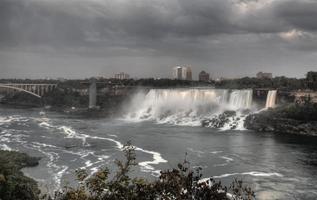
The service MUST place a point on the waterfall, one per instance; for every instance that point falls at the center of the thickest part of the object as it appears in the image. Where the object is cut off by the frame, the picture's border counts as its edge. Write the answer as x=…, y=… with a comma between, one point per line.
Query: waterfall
x=271, y=99
x=186, y=107
x=240, y=99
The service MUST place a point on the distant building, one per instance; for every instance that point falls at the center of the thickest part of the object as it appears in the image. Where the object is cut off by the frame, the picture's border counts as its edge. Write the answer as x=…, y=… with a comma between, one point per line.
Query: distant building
x=204, y=76
x=262, y=75
x=122, y=76
x=187, y=74
x=61, y=79
x=177, y=72
x=182, y=73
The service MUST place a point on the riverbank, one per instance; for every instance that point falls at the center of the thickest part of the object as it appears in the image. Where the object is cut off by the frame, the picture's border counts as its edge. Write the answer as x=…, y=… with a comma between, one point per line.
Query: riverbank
x=14, y=184
x=289, y=119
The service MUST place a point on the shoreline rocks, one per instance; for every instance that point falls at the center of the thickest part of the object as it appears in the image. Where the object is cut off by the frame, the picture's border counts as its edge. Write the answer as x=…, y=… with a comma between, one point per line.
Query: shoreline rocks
x=219, y=121
x=266, y=122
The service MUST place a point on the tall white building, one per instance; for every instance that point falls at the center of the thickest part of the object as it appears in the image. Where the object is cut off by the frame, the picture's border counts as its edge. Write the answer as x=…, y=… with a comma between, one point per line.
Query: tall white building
x=177, y=72
x=182, y=73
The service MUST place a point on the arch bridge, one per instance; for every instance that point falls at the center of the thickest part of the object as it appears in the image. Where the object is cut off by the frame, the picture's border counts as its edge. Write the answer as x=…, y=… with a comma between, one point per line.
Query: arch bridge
x=37, y=90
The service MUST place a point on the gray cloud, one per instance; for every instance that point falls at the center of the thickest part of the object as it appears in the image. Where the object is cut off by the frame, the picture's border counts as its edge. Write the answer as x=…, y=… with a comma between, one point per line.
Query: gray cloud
x=227, y=33
x=82, y=22
x=299, y=14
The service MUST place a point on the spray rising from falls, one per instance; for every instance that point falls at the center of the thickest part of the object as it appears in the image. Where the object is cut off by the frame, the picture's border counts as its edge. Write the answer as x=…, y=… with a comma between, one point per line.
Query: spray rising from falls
x=271, y=99
x=190, y=107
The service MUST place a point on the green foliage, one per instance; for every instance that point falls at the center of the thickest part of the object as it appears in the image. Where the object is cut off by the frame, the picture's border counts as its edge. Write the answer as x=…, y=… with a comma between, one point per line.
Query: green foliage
x=65, y=98
x=312, y=80
x=277, y=82
x=156, y=83
x=13, y=184
x=303, y=112
x=22, y=99
x=180, y=183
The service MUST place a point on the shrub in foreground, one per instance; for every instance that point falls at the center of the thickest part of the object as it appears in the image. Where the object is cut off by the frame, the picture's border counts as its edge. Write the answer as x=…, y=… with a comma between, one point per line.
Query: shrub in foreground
x=13, y=184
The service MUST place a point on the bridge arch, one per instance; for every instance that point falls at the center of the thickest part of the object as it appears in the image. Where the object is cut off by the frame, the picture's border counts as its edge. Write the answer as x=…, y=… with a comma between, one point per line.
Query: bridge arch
x=20, y=89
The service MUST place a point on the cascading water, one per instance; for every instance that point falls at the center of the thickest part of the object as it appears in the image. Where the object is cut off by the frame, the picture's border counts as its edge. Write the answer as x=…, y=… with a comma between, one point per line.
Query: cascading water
x=187, y=107
x=240, y=99
x=271, y=99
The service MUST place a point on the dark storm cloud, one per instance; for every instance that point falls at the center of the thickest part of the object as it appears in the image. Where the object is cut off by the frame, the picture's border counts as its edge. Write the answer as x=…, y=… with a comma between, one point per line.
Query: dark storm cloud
x=25, y=22
x=299, y=14
x=153, y=31
x=82, y=22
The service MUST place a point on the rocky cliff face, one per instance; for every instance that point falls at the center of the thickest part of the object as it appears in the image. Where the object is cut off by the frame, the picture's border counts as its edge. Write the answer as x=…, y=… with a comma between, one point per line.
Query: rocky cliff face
x=265, y=122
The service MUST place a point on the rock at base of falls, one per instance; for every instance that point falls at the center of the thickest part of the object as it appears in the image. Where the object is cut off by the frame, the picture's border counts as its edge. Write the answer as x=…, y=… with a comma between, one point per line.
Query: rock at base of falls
x=219, y=121
x=229, y=120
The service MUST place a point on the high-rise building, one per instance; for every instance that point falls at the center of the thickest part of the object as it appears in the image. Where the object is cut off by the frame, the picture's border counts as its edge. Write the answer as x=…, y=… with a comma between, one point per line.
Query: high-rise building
x=177, y=72
x=187, y=74
x=182, y=73
x=204, y=76
x=121, y=76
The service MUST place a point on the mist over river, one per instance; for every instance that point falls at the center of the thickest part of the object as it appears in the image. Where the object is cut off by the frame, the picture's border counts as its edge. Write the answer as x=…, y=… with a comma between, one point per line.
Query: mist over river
x=276, y=166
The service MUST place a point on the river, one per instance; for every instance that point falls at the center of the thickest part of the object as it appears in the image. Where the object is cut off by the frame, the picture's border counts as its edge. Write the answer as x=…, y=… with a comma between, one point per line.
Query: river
x=275, y=166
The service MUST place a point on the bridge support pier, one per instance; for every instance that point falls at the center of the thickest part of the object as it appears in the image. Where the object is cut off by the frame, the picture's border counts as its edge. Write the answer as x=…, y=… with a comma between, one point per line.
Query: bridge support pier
x=92, y=93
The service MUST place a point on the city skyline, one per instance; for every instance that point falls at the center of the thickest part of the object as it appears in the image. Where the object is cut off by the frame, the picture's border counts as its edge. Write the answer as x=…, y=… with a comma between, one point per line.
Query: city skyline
x=228, y=38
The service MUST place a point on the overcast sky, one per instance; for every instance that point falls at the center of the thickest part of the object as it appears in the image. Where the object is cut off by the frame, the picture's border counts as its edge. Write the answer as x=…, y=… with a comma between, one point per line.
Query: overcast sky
x=146, y=38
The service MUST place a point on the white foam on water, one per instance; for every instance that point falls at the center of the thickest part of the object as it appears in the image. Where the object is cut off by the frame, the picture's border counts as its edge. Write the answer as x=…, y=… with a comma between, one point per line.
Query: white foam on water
x=88, y=163
x=113, y=135
x=14, y=118
x=252, y=173
x=10, y=136
x=5, y=138
x=227, y=161
x=5, y=147
x=54, y=170
x=51, y=153
x=146, y=166
x=44, y=145
x=216, y=152
x=71, y=133
x=45, y=125
x=95, y=166
x=5, y=120
x=118, y=144
x=227, y=158
x=59, y=175
x=68, y=131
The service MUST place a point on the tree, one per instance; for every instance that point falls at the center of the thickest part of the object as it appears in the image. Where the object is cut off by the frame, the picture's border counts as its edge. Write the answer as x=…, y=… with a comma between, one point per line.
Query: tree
x=311, y=79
